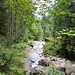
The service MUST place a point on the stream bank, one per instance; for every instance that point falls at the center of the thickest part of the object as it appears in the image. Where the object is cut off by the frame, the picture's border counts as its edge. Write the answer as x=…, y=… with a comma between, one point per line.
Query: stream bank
x=35, y=60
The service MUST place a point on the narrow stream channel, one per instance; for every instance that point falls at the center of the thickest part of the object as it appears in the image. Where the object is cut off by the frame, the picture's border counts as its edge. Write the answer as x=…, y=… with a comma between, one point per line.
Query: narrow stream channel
x=33, y=55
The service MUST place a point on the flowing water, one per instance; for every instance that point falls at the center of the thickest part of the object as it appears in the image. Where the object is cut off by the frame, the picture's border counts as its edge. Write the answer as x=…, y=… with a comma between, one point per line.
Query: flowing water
x=33, y=55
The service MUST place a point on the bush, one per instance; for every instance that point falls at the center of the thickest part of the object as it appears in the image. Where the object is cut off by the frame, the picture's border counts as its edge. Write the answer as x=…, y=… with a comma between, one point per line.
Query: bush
x=53, y=71
x=49, y=48
x=52, y=47
x=11, y=58
x=68, y=43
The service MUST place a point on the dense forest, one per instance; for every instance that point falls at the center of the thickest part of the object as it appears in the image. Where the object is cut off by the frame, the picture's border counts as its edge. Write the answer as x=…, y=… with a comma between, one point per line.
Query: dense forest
x=19, y=25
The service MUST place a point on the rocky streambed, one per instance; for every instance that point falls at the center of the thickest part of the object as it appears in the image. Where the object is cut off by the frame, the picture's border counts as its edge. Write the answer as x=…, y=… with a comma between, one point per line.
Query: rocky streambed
x=33, y=55
x=64, y=65
x=35, y=60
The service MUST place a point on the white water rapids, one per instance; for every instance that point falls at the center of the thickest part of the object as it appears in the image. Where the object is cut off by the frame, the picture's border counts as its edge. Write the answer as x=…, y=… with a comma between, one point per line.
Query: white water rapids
x=32, y=56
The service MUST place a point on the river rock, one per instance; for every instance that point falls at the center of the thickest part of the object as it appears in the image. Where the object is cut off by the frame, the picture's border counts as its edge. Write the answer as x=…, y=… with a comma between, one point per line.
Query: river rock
x=68, y=71
x=68, y=64
x=72, y=73
x=45, y=62
x=30, y=44
x=73, y=68
x=53, y=58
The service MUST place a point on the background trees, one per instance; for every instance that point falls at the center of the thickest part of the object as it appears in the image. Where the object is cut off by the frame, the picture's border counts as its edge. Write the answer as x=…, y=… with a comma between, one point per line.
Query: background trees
x=21, y=19
x=64, y=19
x=16, y=19
x=63, y=23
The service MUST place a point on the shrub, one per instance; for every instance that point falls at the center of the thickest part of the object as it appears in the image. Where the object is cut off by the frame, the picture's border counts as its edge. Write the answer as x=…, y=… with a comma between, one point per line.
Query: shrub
x=52, y=47
x=11, y=58
x=53, y=71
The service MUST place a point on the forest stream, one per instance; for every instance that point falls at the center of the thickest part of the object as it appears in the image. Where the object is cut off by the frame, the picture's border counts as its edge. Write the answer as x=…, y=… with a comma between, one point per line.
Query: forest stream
x=33, y=55
x=34, y=60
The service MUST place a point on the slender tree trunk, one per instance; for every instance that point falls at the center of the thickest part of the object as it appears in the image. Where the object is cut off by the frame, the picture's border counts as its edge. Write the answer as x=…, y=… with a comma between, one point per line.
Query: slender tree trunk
x=11, y=27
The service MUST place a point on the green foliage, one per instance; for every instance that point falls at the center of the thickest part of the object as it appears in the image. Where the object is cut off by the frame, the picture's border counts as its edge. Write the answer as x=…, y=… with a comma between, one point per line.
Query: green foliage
x=19, y=45
x=10, y=58
x=53, y=71
x=2, y=73
x=49, y=48
x=46, y=26
x=51, y=39
x=61, y=19
x=67, y=48
x=40, y=32
x=3, y=18
x=16, y=20
x=36, y=31
x=52, y=46
x=68, y=32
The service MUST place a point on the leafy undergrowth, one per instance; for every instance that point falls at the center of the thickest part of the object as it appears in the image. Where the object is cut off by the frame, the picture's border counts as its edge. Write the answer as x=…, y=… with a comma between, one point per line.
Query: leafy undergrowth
x=11, y=58
x=49, y=71
x=64, y=46
x=51, y=47
x=52, y=70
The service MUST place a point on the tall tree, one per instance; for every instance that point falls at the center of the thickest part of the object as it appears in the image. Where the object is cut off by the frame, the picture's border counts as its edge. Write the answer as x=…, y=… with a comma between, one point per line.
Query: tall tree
x=64, y=23
x=19, y=19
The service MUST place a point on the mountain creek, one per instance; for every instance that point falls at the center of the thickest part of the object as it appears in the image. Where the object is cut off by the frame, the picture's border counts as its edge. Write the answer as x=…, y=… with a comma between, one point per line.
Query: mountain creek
x=36, y=60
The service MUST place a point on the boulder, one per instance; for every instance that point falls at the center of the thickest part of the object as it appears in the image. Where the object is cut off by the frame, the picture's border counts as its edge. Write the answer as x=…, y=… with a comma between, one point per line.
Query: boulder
x=68, y=71
x=72, y=73
x=73, y=68
x=45, y=62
